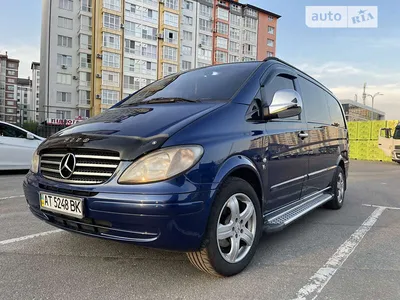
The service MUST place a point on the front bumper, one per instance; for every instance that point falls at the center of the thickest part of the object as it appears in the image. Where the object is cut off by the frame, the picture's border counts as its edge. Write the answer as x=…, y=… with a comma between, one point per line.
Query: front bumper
x=396, y=156
x=175, y=221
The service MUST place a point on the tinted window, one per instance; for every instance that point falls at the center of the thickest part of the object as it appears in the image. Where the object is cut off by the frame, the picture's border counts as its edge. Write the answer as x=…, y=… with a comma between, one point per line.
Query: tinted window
x=278, y=83
x=314, y=102
x=335, y=111
x=396, y=134
x=9, y=131
x=210, y=83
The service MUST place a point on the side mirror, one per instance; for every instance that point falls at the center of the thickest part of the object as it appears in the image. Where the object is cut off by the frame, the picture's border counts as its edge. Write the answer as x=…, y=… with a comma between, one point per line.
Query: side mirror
x=285, y=103
x=30, y=136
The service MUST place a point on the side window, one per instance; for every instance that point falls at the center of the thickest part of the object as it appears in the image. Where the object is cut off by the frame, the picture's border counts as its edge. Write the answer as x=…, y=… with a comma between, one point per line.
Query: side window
x=314, y=102
x=277, y=84
x=335, y=111
x=9, y=131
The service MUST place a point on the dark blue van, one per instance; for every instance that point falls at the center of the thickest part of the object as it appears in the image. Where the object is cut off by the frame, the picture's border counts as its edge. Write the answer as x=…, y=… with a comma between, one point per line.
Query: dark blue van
x=202, y=162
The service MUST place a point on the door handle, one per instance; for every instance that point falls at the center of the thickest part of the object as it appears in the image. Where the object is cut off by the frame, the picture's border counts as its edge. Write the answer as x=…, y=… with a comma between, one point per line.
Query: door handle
x=303, y=135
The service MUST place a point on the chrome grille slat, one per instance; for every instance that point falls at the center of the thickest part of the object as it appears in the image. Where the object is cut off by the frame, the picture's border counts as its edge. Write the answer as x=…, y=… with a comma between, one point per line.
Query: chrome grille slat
x=92, y=166
x=97, y=157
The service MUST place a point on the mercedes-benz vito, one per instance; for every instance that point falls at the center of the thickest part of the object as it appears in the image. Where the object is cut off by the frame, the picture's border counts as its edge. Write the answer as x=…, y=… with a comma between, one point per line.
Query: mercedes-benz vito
x=201, y=162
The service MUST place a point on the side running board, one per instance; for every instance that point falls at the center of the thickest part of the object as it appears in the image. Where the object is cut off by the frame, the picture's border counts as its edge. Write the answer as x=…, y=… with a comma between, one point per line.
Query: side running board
x=279, y=220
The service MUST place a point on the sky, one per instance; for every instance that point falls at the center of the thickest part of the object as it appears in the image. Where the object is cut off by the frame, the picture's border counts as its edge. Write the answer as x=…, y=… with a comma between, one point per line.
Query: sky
x=343, y=59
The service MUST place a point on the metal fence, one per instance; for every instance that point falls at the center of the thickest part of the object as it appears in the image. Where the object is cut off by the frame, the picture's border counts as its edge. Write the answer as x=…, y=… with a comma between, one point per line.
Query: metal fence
x=46, y=131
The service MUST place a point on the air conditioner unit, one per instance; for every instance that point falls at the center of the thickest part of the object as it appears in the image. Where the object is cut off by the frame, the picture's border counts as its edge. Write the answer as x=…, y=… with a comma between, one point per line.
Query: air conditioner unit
x=161, y=1
x=89, y=47
x=64, y=66
x=99, y=56
x=98, y=96
x=75, y=77
x=160, y=36
x=122, y=26
x=214, y=30
x=98, y=75
x=200, y=45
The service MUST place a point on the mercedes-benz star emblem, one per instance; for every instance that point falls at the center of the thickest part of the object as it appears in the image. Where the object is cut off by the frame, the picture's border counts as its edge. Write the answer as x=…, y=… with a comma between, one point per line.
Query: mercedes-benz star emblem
x=67, y=165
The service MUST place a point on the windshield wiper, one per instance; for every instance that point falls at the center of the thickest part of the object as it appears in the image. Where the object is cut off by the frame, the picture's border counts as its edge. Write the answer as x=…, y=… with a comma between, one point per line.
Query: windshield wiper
x=170, y=100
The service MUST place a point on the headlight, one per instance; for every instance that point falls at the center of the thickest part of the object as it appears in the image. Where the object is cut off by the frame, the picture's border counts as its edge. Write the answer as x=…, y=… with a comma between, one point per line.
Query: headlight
x=162, y=164
x=35, y=162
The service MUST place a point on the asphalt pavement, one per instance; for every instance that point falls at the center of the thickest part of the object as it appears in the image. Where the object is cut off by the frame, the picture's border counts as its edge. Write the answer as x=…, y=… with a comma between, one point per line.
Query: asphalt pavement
x=352, y=253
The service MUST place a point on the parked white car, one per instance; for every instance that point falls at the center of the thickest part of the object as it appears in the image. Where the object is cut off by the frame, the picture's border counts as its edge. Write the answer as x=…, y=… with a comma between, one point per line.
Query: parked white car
x=16, y=147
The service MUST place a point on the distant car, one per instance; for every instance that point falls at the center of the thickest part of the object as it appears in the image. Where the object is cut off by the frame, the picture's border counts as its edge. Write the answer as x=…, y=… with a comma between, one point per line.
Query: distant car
x=390, y=144
x=16, y=147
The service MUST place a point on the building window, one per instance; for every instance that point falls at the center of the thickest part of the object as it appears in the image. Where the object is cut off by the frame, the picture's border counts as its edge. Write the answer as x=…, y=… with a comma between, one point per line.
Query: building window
x=84, y=113
x=110, y=78
x=234, y=58
x=149, y=68
x=111, y=21
x=235, y=20
x=222, y=42
x=170, y=53
x=235, y=33
x=234, y=47
x=270, y=54
x=64, y=41
x=11, y=73
x=186, y=50
x=205, y=25
x=221, y=57
x=251, y=12
x=10, y=103
x=10, y=111
x=187, y=5
x=85, y=23
x=204, y=54
x=270, y=42
x=187, y=20
x=64, y=78
x=85, y=60
x=63, y=97
x=250, y=23
x=10, y=88
x=132, y=47
x=111, y=40
x=111, y=60
x=186, y=65
x=85, y=41
x=250, y=36
x=65, y=4
x=169, y=69
x=131, y=65
x=150, y=15
x=173, y=4
x=149, y=33
x=270, y=18
x=149, y=50
x=11, y=65
x=109, y=97
x=205, y=11
x=222, y=28
x=11, y=80
x=170, y=19
x=63, y=114
x=65, y=23
x=187, y=35
x=64, y=60
x=84, y=97
x=112, y=4
x=248, y=59
x=271, y=30
x=236, y=7
x=249, y=50
x=205, y=40
x=222, y=14
x=131, y=83
x=171, y=36
x=84, y=78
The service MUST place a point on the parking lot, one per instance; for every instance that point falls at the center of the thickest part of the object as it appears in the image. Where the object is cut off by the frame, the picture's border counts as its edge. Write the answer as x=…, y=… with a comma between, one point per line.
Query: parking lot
x=352, y=253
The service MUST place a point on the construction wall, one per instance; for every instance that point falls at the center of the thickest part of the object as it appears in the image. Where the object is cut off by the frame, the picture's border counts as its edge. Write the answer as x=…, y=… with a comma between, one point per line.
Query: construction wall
x=364, y=139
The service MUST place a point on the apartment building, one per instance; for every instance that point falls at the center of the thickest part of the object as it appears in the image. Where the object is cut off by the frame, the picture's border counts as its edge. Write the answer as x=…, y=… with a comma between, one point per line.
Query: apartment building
x=8, y=86
x=23, y=95
x=34, y=111
x=94, y=53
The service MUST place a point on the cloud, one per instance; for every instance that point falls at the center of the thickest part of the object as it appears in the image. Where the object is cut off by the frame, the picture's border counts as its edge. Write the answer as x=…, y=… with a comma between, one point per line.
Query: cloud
x=346, y=80
x=25, y=53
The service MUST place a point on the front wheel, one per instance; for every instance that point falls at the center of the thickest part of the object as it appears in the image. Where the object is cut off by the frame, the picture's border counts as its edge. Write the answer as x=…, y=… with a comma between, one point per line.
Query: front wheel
x=233, y=232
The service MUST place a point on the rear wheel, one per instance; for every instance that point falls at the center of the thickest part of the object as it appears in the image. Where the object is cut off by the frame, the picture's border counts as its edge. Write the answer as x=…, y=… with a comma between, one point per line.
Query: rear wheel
x=338, y=188
x=233, y=232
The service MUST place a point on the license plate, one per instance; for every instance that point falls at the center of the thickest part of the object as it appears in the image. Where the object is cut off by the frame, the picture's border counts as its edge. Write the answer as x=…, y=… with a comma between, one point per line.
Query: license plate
x=64, y=205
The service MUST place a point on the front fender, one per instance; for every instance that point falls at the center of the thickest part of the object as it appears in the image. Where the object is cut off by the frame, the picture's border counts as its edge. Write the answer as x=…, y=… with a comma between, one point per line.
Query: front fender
x=232, y=164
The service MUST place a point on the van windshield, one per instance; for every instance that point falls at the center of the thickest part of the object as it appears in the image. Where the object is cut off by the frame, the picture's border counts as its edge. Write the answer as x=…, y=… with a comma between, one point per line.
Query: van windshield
x=211, y=83
x=396, y=134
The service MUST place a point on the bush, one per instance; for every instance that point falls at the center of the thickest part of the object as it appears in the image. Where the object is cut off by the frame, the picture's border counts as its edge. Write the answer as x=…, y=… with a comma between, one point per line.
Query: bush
x=31, y=126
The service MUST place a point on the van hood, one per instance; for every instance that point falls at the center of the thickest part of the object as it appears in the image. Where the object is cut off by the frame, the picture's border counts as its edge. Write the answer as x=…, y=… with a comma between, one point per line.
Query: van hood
x=131, y=131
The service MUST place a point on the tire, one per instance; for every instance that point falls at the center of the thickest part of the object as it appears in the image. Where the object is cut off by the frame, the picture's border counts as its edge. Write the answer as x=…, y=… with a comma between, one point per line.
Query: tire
x=239, y=231
x=338, y=188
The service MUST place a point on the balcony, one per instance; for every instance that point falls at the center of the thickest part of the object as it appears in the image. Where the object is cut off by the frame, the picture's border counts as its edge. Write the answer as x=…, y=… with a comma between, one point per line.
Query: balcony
x=153, y=3
x=85, y=9
x=132, y=51
x=86, y=29
x=83, y=102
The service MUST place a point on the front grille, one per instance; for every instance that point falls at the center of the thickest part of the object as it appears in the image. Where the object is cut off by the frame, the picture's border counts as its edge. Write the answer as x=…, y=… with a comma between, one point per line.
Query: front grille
x=92, y=166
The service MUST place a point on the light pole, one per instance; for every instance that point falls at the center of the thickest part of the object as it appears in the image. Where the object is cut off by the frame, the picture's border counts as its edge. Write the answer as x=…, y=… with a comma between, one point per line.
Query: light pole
x=373, y=98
